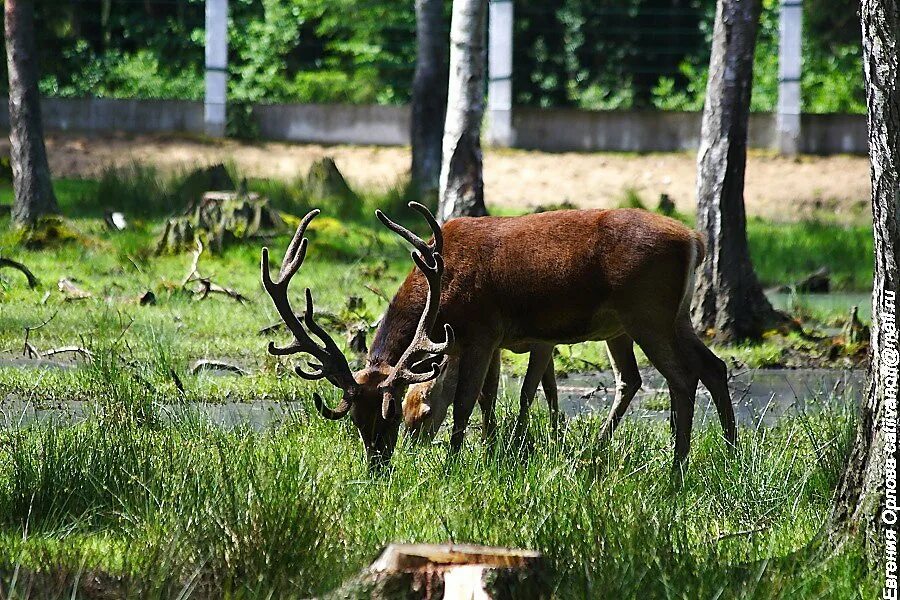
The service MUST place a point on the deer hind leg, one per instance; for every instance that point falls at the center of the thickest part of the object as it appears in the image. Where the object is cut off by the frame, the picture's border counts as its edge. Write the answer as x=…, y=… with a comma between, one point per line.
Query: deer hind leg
x=538, y=361
x=714, y=374
x=548, y=382
x=671, y=359
x=628, y=380
x=488, y=398
x=473, y=369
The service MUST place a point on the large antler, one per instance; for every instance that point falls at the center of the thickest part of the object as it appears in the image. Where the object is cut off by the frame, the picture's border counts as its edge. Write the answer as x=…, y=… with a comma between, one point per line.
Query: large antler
x=423, y=359
x=332, y=362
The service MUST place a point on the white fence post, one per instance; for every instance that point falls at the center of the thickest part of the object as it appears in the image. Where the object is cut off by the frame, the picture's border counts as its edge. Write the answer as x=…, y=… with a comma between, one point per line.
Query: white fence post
x=216, y=67
x=790, y=66
x=500, y=62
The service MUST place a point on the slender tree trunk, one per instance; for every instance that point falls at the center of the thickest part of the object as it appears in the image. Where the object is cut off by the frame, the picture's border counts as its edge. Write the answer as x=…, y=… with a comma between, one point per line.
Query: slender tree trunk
x=31, y=173
x=729, y=300
x=462, y=188
x=865, y=504
x=429, y=98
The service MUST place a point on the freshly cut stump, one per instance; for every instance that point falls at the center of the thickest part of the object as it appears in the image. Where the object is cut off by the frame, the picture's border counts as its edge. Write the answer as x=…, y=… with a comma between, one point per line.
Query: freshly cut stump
x=452, y=572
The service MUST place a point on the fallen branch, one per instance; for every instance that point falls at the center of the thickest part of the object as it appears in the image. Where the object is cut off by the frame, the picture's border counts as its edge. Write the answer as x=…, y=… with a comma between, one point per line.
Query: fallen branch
x=205, y=364
x=731, y=534
x=68, y=349
x=14, y=264
x=71, y=291
x=192, y=272
x=208, y=286
x=27, y=348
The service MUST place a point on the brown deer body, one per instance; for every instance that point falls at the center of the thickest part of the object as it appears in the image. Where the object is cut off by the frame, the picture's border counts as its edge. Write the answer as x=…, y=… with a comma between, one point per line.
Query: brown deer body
x=622, y=275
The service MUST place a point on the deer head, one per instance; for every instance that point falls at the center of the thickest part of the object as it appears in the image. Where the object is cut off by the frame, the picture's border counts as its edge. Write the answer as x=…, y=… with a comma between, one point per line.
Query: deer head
x=371, y=396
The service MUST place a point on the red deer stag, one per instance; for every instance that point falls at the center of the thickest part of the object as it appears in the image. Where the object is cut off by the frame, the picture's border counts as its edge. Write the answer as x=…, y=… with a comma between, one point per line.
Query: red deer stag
x=561, y=277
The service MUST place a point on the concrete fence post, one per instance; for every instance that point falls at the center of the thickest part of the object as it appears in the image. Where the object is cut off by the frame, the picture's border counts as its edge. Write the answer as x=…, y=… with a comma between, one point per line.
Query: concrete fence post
x=214, y=101
x=500, y=61
x=790, y=68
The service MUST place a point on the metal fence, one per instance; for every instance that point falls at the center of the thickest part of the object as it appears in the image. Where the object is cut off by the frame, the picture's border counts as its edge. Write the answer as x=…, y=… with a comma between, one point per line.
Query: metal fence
x=257, y=58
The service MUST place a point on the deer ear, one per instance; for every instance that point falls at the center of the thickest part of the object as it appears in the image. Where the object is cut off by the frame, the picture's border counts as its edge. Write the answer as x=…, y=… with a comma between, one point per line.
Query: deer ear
x=388, y=406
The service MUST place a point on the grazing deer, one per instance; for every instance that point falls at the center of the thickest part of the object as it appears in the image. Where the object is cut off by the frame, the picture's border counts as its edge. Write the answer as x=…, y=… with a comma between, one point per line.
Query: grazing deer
x=425, y=405
x=561, y=277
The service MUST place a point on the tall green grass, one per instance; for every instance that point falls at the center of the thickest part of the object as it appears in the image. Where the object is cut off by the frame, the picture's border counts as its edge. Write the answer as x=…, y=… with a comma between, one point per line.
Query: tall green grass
x=291, y=511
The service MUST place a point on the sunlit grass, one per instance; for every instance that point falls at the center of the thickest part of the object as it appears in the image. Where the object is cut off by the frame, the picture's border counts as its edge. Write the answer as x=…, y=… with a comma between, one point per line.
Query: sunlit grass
x=292, y=511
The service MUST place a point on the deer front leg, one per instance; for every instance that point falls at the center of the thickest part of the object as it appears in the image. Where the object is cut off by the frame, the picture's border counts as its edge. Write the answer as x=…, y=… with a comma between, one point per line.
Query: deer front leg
x=488, y=398
x=473, y=367
x=539, y=359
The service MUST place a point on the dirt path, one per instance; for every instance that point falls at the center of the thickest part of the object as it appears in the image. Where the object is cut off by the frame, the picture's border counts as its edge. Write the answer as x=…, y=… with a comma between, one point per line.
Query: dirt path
x=777, y=188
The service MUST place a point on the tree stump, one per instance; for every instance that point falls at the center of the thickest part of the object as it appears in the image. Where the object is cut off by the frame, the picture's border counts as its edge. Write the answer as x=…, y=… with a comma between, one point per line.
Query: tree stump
x=325, y=182
x=450, y=571
x=222, y=218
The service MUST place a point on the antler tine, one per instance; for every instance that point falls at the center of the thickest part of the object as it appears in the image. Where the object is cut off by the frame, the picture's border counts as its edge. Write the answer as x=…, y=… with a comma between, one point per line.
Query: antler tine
x=296, y=250
x=405, y=233
x=432, y=222
x=430, y=262
x=333, y=365
x=331, y=348
x=332, y=414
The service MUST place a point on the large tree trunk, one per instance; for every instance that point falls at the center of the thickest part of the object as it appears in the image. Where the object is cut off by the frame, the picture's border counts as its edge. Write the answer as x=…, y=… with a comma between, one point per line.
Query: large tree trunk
x=31, y=173
x=729, y=300
x=866, y=499
x=462, y=188
x=429, y=98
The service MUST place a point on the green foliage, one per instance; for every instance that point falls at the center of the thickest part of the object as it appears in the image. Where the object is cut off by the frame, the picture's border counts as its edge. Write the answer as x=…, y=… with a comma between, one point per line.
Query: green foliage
x=832, y=80
x=602, y=55
x=631, y=198
x=788, y=253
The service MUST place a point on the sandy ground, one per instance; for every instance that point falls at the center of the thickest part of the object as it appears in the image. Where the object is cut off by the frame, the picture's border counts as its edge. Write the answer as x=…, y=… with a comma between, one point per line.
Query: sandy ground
x=777, y=188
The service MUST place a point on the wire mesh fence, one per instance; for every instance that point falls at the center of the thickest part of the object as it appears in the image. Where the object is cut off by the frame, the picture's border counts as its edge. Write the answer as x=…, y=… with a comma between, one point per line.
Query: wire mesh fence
x=596, y=54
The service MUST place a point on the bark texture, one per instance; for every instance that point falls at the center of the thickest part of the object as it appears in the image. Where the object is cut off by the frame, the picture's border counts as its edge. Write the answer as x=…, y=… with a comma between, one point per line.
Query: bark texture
x=429, y=97
x=861, y=494
x=31, y=174
x=729, y=300
x=462, y=187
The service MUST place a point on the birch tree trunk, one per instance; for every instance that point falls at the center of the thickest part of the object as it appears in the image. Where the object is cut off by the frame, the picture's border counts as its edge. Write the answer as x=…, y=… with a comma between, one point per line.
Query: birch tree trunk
x=729, y=300
x=865, y=504
x=462, y=187
x=429, y=98
x=31, y=174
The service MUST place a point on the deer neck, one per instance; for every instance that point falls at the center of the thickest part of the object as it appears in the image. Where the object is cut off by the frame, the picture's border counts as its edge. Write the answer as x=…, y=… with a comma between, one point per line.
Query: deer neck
x=396, y=330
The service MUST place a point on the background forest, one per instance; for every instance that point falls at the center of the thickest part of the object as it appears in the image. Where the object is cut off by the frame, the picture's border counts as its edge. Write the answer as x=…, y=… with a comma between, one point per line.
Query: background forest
x=597, y=54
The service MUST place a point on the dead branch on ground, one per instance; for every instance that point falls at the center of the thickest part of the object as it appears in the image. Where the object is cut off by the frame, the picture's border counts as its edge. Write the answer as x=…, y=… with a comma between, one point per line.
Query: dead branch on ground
x=14, y=264
x=206, y=285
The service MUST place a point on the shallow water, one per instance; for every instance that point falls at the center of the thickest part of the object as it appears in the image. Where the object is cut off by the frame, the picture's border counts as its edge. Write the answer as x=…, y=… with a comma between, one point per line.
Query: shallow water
x=761, y=397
